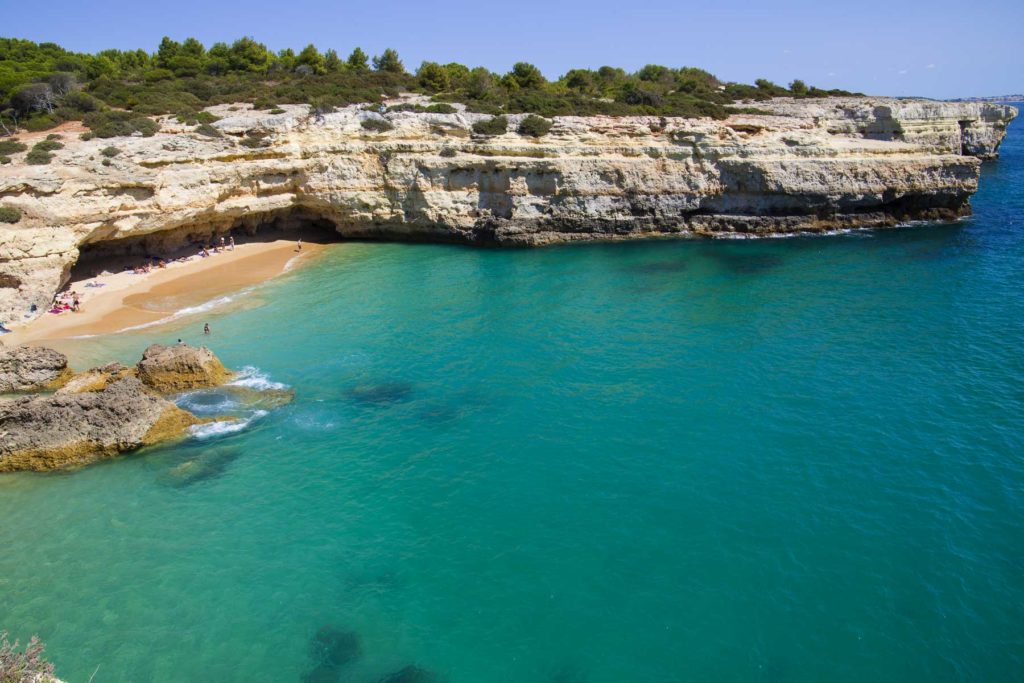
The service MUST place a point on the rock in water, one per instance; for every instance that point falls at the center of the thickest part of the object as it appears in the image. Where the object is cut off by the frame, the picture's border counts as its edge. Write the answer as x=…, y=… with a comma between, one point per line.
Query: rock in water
x=409, y=674
x=170, y=369
x=50, y=432
x=32, y=368
x=96, y=379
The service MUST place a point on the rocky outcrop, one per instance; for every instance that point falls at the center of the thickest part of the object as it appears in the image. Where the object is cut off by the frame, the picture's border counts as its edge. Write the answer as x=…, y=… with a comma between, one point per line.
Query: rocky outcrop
x=61, y=430
x=32, y=368
x=804, y=165
x=170, y=369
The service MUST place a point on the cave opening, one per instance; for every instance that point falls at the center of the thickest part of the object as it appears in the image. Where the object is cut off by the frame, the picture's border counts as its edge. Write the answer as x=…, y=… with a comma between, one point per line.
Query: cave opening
x=101, y=254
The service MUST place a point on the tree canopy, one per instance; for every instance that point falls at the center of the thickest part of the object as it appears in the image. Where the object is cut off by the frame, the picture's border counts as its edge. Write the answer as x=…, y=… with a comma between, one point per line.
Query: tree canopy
x=42, y=84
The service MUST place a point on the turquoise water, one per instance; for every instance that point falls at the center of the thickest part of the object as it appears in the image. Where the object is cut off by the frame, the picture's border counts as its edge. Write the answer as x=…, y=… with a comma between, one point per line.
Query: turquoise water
x=781, y=460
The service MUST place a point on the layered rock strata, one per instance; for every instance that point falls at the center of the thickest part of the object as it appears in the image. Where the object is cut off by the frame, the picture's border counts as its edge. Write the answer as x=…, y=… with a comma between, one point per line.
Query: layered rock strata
x=803, y=165
x=32, y=368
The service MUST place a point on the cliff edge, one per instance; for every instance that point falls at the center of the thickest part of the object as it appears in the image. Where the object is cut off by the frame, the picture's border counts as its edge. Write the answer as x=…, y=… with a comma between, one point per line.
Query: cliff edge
x=798, y=165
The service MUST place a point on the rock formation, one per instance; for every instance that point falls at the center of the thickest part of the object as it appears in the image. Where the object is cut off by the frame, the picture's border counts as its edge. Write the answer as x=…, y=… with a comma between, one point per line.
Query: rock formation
x=50, y=432
x=32, y=368
x=112, y=409
x=802, y=165
x=170, y=369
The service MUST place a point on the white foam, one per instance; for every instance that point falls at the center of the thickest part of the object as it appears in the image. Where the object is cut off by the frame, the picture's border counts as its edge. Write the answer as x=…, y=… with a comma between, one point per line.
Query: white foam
x=184, y=312
x=254, y=378
x=224, y=427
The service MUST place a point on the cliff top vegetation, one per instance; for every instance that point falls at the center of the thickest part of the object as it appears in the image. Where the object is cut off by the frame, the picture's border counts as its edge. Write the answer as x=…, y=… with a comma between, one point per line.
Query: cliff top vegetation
x=43, y=84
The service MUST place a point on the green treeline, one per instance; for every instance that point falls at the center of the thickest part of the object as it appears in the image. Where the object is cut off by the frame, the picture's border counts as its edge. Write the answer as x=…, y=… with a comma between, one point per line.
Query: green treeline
x=42, y=84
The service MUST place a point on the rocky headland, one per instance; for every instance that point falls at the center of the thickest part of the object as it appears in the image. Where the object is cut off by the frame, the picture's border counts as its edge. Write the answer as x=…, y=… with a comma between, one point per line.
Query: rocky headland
x=798, y=165
x=103, y=411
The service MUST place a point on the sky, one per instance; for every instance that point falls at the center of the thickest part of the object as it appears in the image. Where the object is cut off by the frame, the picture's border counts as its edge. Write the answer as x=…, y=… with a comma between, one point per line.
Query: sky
x=930, y=48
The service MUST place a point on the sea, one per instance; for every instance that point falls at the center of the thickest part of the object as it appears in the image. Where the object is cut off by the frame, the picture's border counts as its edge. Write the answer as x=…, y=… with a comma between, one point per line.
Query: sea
x=774, y=460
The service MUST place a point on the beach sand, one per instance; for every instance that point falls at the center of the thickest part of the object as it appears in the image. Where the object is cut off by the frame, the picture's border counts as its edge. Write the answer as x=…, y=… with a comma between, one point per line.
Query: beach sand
x=127, y=300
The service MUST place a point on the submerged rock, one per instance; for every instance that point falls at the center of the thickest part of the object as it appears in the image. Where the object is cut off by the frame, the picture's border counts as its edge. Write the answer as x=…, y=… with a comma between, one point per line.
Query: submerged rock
x=409, y=674
x=61, y=430
x=32, y=368
x=387, y=392
x=331, y=649
x=170, y=369
x=212, y=463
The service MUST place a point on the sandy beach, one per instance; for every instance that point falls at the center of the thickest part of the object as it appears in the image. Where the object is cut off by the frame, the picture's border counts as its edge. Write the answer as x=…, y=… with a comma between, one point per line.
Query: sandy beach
x=125, y=299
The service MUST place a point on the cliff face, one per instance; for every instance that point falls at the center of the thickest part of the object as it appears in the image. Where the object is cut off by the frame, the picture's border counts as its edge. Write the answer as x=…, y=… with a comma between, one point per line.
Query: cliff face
x=811, y=165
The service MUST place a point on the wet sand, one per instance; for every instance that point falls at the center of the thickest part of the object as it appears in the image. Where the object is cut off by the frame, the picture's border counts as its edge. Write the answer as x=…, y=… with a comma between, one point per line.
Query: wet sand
x=127, y=300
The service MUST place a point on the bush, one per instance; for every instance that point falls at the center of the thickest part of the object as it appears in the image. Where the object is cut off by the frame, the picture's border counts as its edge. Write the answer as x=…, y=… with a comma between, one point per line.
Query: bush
x=8, y=214
x=38, y=157
x=26, y=666
x=4, y=160
x=440, y=108
x=48, y=145
x=377, y=125
x=38, y=123
x=255, y=141
x=112, y=124
x=494, y=126
x=12, y=146
x=534, y=126
x=209, y=131
x=277, y=110
x=87, y=135
x=54, y=136
x=110, y=152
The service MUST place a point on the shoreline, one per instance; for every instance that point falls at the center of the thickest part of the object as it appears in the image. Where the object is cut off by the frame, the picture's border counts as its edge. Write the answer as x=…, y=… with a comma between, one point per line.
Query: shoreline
x=125, y=301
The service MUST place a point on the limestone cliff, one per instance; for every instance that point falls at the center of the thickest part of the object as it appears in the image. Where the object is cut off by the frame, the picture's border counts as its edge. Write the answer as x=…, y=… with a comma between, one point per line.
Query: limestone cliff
x=811, y=165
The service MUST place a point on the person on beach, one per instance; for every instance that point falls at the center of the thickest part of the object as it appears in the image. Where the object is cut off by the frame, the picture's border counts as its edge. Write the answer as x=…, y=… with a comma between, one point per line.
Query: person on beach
x=232, y=247
x=206, y=328
x=298, y=245
x=76, y=305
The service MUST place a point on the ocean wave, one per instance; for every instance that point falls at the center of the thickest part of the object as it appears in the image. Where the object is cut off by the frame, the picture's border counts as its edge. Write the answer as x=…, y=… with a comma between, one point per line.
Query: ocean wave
x=224, y=427
x=254, y=378
x=185, y=312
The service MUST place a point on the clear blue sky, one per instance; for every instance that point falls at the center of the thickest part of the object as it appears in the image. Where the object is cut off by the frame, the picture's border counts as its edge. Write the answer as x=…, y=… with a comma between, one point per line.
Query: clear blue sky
x=934, y=48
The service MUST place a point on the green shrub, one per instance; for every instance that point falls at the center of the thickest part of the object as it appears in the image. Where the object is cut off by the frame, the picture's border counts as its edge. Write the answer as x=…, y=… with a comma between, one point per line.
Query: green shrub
x=48, y=145
x=38, y=123
x=110, y=152
x=87, y=135
x=4, y=160
x=493, y=126
x=277, y=110
x=255, y=140
x=54, y=136
x=440, y=108
x=9, y=214
x=105, y=162
x=209, y=131
x=534, y=126
x=12, y=146
x=21, y=666
x=38, y=157
x=112, y=124
x=377, y=125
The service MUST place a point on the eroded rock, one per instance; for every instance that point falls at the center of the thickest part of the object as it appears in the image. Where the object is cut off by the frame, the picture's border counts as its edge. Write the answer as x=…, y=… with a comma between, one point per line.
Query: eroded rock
x=66, y=429
x=170, y=369
x=32, y=368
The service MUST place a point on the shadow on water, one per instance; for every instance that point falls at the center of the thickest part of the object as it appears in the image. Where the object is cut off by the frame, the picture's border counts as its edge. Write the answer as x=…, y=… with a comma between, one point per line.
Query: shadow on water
x=657, y=267
x=409, y=674
x=384, y=393
x=330, y=650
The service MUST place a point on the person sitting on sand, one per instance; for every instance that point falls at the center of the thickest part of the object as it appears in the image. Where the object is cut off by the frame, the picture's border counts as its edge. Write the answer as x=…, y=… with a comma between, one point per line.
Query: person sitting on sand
x=76, y=305
x=161, y=264
x=203, y=253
